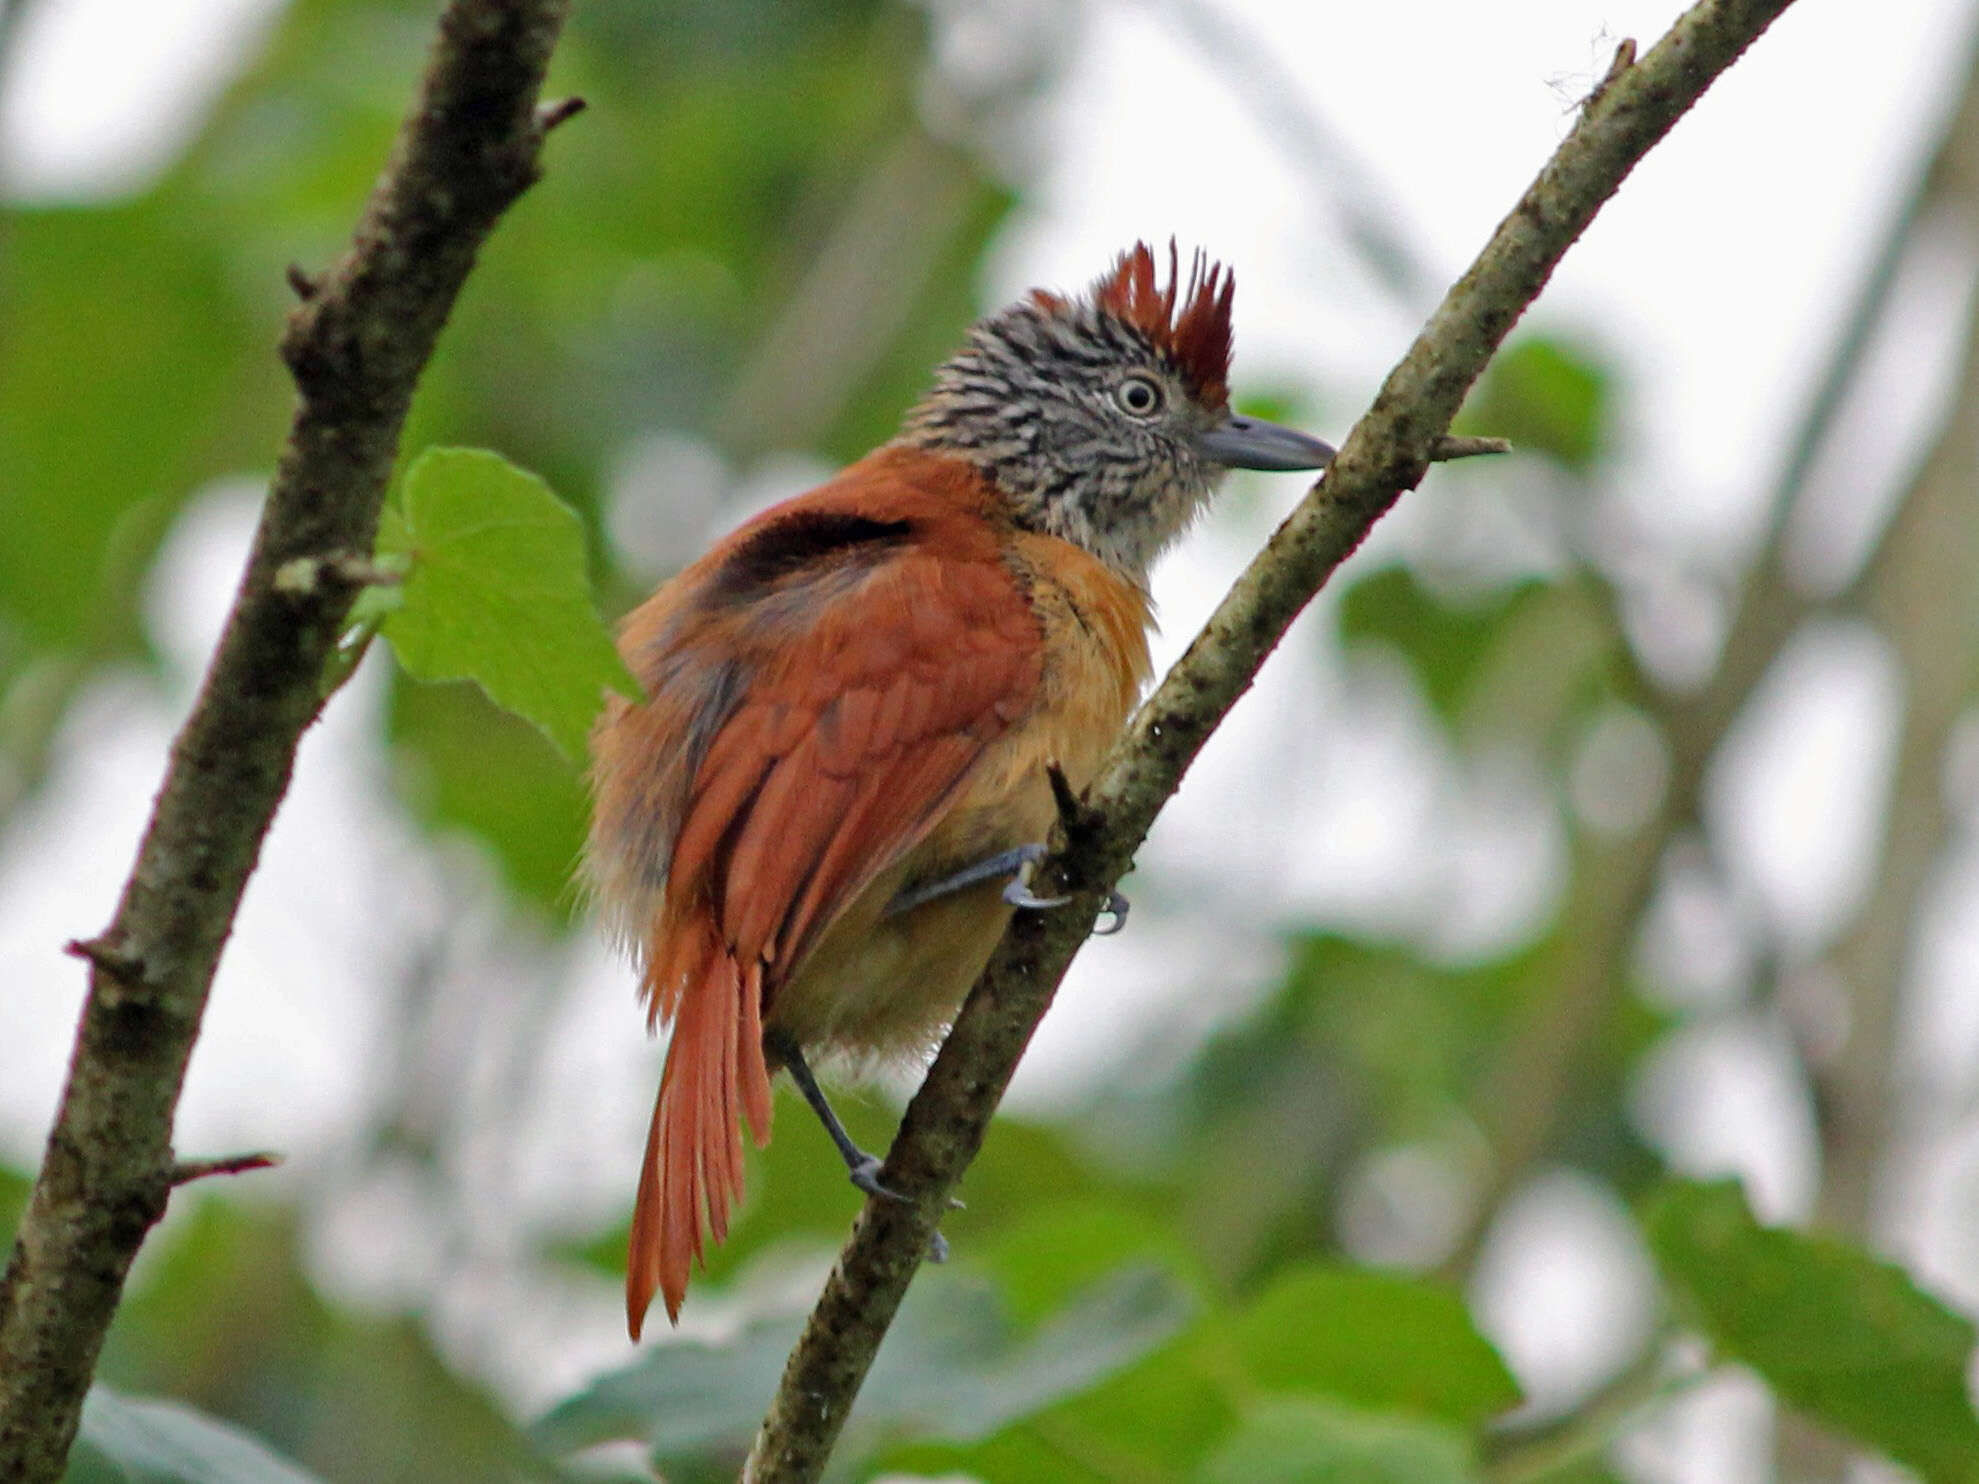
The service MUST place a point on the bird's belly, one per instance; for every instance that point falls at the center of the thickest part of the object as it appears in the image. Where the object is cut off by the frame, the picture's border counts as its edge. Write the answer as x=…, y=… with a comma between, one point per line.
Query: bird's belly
x=884, y=989
x=879, y=987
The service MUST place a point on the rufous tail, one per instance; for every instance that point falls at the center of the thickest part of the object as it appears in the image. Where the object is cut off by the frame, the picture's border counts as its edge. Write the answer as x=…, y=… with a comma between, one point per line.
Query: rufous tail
x=715, y=1075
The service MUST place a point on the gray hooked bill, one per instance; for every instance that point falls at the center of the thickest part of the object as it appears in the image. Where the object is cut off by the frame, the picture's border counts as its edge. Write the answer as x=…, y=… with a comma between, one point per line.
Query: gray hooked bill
x=1252, y=443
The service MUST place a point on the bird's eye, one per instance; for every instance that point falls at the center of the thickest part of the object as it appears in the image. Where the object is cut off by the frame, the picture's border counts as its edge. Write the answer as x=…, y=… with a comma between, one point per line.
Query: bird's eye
x=1138, y=396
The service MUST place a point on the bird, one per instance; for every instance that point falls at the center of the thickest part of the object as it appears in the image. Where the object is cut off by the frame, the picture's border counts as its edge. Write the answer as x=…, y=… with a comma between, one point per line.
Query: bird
x=811, y=831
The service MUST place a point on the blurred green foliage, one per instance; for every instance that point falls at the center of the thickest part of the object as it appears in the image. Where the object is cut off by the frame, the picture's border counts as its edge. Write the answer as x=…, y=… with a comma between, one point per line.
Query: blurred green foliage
x=226, y=1321
x=1161, y=1289
x=1549, y=397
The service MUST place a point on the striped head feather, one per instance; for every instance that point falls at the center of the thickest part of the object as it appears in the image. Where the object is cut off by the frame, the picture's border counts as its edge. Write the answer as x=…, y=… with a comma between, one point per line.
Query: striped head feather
x=1086, y=412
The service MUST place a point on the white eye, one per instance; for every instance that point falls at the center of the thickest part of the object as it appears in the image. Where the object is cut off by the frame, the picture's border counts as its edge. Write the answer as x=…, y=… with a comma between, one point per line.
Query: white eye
x=1138, y=396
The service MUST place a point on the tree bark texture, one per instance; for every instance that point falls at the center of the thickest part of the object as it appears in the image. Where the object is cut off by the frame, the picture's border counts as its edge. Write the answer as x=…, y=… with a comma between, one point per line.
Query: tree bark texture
x=356, y=346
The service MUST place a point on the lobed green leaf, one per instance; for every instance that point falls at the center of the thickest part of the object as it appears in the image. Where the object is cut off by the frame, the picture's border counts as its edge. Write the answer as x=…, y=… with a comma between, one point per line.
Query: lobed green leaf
x=497, y=594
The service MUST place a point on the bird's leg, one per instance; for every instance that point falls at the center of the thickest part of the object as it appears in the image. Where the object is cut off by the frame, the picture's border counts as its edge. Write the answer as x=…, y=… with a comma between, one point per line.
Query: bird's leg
x=1014, y=863
x=1009, y=863
x=863, y=1168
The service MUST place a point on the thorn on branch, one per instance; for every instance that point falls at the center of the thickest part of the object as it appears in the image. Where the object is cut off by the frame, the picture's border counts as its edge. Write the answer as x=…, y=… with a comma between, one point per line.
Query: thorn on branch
x=108, y=959
x=1071, y=812
x=1077, y=820
x=306, y=285
x=185, y=1171
x=1451, y=447
x=1624, y=59
x=549, y=115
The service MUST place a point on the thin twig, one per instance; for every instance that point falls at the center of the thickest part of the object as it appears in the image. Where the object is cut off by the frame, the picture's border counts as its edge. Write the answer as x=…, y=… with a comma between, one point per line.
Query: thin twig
x=1386, y=453
x=1623, y=59
x=1451, y=446
x=107, y=959
x=551, y=115
x=185, y=1171
x=1580, y=1438
x=356, y=346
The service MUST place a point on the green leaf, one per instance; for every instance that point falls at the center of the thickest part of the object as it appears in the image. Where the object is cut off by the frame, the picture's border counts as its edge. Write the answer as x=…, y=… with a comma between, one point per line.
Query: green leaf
x=953, y=1366
x=1445, y=643
x=1361, y=1375
x=497, y=592
x=1547, y=396
x=1383, y=1342
x=161, y=1442
x=1362, y=1046
x=1838, y=1333
x=1154, y=1419
x=1291, y=1440
x=224, y=1318
x=973, y=1390
x=1047, y=1256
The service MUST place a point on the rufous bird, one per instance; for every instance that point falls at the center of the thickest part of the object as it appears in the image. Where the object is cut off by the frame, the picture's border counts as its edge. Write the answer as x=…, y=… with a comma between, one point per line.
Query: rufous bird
x=813, y=830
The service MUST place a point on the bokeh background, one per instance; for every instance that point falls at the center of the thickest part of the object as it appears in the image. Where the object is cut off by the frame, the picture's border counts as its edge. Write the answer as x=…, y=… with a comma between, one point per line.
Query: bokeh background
x=1612, y=813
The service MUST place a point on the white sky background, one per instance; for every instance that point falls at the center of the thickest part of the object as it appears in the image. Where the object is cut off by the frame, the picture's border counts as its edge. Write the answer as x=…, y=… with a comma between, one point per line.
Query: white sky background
x=1713, y=279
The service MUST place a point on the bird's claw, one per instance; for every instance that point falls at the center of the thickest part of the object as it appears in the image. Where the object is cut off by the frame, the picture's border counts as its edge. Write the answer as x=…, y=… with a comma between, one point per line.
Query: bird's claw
x=1017, y=894
x=1017, y=891
x=865, y=1174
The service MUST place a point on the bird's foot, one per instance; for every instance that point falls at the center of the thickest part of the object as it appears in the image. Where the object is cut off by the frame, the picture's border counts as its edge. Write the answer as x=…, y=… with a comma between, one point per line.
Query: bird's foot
x=866, y=1175
x=1019, y=894
x=864, y=1172
x=1016, y=863
x=1004, y=863
x=1017, y=891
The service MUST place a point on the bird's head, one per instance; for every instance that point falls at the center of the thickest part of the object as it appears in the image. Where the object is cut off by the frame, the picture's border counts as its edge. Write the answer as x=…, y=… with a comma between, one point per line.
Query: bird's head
x=1105, y=419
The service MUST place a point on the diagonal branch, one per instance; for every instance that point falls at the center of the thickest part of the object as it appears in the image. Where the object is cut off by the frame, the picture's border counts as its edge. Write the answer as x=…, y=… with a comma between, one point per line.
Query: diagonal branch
x=356, y=346
x=1386, y=453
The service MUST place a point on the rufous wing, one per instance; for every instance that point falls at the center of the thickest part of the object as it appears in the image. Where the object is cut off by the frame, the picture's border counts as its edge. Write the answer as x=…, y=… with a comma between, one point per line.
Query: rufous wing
x=863, y=644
